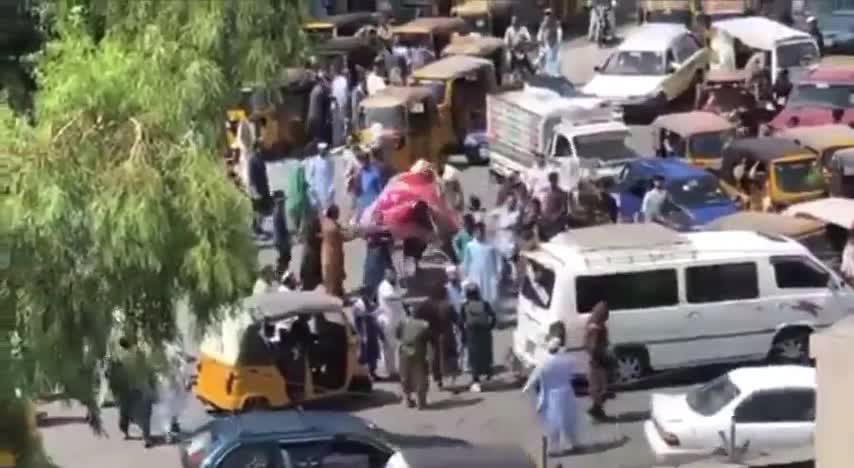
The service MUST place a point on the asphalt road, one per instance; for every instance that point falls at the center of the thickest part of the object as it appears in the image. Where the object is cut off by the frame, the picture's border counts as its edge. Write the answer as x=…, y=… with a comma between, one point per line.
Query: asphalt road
x=499, y=415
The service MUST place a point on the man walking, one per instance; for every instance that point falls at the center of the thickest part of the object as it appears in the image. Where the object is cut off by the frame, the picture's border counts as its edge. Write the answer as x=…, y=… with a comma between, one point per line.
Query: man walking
x=555, y=209
x=479, y=319
x=341, y=104
x=413, y=333
x=653, y=200
x=134, y=386
x=481, y=265
x=259, y=191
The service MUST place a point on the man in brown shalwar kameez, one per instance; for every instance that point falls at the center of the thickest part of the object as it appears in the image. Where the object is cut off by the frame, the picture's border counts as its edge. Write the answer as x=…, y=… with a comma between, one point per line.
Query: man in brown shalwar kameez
x=413, y=333
x=596, y=343
x=332, y=253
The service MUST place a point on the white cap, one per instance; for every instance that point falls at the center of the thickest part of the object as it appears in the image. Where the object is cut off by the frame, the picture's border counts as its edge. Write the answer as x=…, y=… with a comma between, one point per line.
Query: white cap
x=811, y=19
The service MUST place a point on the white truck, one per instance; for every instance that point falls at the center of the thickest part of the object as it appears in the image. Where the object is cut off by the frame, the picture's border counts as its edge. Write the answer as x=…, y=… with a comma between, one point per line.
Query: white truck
x=582, y=137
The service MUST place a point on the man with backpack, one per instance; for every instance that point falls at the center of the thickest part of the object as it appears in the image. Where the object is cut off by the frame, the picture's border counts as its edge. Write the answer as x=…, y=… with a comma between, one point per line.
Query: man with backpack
x=478, y=319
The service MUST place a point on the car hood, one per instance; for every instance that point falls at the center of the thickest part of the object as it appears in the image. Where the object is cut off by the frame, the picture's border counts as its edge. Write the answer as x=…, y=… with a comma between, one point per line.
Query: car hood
x=670, y=409
x=808, y=116
x=623, y=86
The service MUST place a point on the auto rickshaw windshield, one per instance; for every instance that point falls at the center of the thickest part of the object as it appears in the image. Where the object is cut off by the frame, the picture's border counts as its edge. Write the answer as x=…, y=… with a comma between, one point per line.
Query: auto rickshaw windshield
x=709, y=145
x=389, y=117
x=822, y=95
x=800, y=176
x=607, y=146
x=797, y=54
x=696, y=193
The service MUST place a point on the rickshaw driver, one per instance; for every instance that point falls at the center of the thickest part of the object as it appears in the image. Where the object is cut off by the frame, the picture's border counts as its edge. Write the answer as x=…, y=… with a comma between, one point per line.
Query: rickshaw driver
x=517, y=37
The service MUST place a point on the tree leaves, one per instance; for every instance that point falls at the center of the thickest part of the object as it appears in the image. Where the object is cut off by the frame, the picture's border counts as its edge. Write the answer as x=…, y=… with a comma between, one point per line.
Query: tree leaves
x=111, y=207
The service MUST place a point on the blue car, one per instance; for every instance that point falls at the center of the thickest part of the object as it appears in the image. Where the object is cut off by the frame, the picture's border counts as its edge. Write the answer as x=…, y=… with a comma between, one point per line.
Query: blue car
x=695, y=196
x=289, y=438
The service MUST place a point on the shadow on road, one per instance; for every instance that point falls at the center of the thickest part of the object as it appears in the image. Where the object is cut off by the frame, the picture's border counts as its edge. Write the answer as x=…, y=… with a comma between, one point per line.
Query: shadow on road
x=61, y=421
x=592, y=448
x=453, y=402
x=356, y=402
x=629, y=417
x=423, y=441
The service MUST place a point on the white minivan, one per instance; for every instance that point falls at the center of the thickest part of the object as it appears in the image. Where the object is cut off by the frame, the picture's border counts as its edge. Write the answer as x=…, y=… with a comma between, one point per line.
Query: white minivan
x=677, y=299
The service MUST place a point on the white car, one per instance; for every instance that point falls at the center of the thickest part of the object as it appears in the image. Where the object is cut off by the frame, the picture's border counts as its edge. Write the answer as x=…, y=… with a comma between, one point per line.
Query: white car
x=656, y=64
x=756, y=415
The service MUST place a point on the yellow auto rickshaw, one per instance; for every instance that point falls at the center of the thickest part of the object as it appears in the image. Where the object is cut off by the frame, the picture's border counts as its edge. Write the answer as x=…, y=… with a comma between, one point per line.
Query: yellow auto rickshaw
x=408, y=122
x=278, y=112
x=824, y=140
x=491, y=48
x=433, y=32
x=345, y=25
x=486, y=17
x=460, y=84
x=699, y=137
x=771, y=173
x=280, y=349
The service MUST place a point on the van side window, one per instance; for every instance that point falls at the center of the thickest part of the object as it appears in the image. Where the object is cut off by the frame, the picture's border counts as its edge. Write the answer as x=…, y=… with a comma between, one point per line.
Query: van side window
x=794, y=272
x=538, y=284
x=716, y=283
x=626, y=291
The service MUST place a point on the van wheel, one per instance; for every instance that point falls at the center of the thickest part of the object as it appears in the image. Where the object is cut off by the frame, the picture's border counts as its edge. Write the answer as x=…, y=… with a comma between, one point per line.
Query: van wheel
x=630, y=366
x=791, y=346
x=256, y=404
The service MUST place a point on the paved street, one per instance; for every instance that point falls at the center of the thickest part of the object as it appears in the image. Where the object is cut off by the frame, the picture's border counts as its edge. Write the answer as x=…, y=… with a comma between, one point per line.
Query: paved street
x=499, y=415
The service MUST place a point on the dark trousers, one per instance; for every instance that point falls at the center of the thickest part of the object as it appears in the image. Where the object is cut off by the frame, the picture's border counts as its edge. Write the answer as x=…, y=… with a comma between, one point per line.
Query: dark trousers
x=135, y=408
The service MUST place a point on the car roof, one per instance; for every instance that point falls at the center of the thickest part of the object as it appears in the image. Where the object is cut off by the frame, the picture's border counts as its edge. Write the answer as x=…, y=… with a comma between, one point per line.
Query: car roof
x=655, y=37
x=834, y=72
x=290, y=424
x=820, y=137
x=768, y=223
x=751, y=379
x=668, y=168
x=763, y=148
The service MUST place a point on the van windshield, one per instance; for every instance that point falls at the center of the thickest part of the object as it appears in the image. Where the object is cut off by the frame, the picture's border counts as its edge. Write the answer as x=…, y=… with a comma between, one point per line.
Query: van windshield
x=392, y=118
x=635, y=63
x=538, y=284
x=710, y=398
x=607, y=146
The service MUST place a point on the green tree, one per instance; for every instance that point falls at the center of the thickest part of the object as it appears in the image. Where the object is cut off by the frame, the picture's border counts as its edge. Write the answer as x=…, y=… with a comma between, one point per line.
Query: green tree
x=115, y=199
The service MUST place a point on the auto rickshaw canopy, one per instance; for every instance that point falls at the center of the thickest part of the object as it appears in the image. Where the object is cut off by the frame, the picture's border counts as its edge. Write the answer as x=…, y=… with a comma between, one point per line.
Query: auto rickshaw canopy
x=476, y=46
x=432, y=25
x=757, y=150
x=348, y=20
x=452, y=67
x=358, y=50
x=820, y=138
x=721, y=76
x=691, y=123
x=395, y=96
x=475, y=8
x=768, y=223
x=478, y=456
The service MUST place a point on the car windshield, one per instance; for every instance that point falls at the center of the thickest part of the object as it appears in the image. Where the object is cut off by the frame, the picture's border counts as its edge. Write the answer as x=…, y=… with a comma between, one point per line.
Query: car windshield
x=607, y=146
x=709, y=145
x=697, y=192
x=708, y=399
x=388, y=117
x=823, y=95
x=799, y=176
x=797, y=54
x=635, y=63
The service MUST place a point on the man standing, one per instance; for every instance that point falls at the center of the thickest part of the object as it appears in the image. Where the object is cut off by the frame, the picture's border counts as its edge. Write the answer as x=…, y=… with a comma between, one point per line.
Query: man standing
x=653, y=201
x=134, y=385
x=413, y=333
x=537, y=178
x=259, y=191
x=389, y=299
x=341, y=102
x=597, y=344
x=318, y=118
x=517, y=37
x=296, y=200
x=479, y=319
x=550, y=37
x=482, y=265
x=320, y=174
x=332, y=252
x=815, y=32
x=555, y=209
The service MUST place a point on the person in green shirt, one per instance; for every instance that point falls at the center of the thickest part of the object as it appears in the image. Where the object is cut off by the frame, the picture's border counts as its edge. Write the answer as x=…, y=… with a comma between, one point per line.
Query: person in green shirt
x=296, y=196
x=463, y=237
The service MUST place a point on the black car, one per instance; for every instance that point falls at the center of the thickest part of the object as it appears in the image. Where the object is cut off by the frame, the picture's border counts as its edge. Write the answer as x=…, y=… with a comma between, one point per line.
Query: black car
x=837, y=29
x=280, y=439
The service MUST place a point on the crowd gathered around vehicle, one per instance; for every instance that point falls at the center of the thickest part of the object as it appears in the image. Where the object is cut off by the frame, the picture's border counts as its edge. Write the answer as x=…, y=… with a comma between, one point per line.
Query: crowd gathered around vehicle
x=744, y=205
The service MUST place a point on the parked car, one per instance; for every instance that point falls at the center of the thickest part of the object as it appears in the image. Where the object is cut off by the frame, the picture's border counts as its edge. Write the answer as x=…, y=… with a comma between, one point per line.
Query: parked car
x=285, y=439
x=837, y=30
x=822, y=89
x=696, y=197
x=656, y=64
x=757, y=415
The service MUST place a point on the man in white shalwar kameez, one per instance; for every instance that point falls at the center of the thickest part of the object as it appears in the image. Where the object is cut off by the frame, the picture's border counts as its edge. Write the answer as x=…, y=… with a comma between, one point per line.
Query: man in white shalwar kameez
x=174, y=393
x=482, y=266
x=537, y=178
x=390, y=314
x=507, y=220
